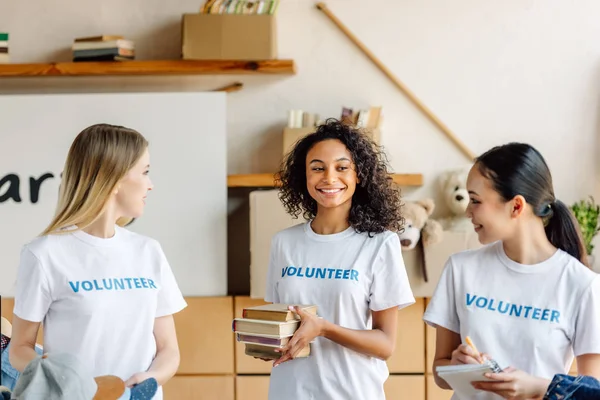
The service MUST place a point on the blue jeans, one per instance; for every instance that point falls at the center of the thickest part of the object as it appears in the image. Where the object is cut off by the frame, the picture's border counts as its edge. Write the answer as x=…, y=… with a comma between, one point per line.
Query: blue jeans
x=9, y=375
x=565, y=387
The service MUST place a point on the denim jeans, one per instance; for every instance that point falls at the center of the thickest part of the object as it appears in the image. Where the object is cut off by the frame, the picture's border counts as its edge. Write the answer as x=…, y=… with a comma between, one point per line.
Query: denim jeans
x=9, y=375
x=565, y=387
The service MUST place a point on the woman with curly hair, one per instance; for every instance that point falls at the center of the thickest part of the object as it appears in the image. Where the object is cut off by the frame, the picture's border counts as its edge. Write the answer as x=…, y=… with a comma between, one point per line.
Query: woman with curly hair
x=346, y=259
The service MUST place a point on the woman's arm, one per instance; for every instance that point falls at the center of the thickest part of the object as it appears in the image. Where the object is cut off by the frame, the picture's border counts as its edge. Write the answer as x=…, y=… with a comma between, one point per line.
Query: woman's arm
x=378, y=342
x=589, y=365
x=22, y=343
x=449, y=350
x=446, y=342
x=166, y=362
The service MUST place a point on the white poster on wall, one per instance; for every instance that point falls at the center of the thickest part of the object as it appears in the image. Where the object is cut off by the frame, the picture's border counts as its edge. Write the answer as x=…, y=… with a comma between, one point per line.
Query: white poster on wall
x=187, y=210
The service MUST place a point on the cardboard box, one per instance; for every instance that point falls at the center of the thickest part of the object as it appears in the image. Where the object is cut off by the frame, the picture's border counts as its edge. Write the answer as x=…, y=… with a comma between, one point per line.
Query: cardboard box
x=229, y=37
x=267, y=217
x=435, y=257
x=292, y=135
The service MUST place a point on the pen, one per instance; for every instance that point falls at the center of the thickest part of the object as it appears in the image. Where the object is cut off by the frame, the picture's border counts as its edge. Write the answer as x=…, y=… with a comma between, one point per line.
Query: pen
x=472, y=345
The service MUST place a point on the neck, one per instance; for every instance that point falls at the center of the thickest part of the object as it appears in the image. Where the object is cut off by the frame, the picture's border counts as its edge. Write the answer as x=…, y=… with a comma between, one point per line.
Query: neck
x=331, y=220
x=529, y=245
x=103, y=227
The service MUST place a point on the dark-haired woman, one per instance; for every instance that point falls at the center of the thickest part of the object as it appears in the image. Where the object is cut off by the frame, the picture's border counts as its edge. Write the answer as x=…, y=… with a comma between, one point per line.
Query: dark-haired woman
x=346, y=259
x=526, y=298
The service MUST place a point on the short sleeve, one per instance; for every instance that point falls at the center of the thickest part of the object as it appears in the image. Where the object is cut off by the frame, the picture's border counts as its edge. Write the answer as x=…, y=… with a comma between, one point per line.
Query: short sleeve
x=170, y=299
x=271, y=295
x=33, y=293
x=441, y=310
x=390, y=286
x=587, y=322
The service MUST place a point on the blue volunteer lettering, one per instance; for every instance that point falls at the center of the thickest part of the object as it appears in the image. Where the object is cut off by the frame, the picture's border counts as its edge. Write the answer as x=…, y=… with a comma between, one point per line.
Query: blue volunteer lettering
x=320, y=273
x=112, y=284
x=516, y=310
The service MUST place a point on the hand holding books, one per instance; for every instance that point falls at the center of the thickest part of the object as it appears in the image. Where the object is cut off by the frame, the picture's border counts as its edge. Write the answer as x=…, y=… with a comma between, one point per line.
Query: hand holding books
x=311, y=326
x=267, y=330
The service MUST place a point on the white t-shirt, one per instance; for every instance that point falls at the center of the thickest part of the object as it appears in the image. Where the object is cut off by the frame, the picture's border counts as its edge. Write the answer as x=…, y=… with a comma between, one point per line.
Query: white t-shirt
x=532, y=317
x=346, y=275
x=98, y=298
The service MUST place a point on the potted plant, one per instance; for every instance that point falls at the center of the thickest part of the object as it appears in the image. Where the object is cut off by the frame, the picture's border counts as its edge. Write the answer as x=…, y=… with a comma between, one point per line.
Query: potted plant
x=587, y=213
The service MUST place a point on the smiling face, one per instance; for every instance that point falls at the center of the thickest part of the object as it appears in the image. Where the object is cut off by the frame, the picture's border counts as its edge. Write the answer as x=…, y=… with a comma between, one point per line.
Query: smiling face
x=330, y=174
x=492, y=217
x=133, y=188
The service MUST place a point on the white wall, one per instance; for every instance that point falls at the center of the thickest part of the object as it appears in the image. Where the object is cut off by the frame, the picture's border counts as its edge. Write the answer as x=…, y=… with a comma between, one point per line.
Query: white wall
x=187, y=220
x=492, y=71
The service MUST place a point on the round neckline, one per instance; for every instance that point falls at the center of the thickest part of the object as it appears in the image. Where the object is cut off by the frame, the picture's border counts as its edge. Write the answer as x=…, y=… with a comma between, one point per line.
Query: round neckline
x=538, y=268
x=95, y=240
x=328, y=238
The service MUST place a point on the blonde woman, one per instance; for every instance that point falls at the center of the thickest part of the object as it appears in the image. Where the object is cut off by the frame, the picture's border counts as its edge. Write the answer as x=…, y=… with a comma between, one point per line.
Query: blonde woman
x=103, y=293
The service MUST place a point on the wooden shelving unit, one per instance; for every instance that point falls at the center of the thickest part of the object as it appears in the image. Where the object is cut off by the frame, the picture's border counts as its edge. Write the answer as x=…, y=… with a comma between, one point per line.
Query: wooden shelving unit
x=268, y=180
x=152, y=67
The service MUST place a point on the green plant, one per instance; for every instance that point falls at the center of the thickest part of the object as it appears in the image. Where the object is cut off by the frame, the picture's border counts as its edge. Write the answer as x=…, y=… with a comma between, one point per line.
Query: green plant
x=587, y=212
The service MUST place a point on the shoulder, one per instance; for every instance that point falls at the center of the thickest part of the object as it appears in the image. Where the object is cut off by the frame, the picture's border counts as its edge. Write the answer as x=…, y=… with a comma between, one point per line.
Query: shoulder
x=137, y=240
x=41, y=246
x=383, y=240
x=577, y=274
x=291, y=233
x=473, y=258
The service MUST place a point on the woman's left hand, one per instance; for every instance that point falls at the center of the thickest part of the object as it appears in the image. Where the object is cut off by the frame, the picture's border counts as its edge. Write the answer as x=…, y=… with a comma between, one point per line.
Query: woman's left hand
x=310, y=327
x=137, y=378
x=514, y=384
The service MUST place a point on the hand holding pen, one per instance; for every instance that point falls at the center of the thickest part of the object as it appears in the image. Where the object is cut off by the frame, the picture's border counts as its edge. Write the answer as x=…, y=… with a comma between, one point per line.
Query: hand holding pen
x=468, y=354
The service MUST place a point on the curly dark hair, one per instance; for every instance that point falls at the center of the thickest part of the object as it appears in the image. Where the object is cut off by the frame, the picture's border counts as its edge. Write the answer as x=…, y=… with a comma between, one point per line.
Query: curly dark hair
x=376, y=203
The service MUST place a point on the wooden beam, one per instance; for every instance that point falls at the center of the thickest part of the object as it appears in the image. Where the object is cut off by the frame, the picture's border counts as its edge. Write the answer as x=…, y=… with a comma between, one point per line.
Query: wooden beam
x=418, y=103
x=149, y=67
x=268, y=180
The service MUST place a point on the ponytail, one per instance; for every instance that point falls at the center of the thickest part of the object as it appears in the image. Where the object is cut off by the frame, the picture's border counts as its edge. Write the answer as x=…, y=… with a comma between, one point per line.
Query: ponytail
x=564, y=233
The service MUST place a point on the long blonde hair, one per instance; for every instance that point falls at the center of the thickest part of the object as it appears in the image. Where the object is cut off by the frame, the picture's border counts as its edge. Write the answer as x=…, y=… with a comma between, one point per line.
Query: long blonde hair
x=98, y=158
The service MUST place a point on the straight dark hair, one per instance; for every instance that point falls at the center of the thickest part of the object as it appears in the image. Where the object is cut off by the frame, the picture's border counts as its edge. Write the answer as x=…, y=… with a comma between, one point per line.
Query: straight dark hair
x=519, y=169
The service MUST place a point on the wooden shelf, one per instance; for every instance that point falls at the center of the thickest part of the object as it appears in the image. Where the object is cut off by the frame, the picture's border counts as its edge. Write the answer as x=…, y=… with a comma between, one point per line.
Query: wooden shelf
x=164, y=67
x=268, y=180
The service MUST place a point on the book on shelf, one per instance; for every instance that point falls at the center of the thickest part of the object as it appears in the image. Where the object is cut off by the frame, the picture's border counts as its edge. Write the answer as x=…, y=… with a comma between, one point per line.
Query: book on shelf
x=242, y=7
x=103, y=48
x=4, y=55
x=100, y=38
x=370, y=118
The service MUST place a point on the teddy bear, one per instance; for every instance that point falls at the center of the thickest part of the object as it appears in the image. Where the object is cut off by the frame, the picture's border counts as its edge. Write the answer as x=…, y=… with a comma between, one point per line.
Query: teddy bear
x=453, y=187
x=418, y=225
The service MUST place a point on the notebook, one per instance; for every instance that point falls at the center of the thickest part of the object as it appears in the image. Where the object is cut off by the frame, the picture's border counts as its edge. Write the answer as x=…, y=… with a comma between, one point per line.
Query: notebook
x=459, y=377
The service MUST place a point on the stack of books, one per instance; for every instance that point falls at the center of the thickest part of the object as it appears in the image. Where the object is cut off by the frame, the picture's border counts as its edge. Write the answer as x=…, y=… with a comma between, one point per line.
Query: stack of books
x=263, y=329
x=247, y=7
x=103, y=48
x=302, y=119
x=369, y=119
x=4, y=57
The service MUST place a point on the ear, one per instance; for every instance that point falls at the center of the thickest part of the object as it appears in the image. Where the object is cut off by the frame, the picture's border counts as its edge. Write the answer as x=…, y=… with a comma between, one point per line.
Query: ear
x=517, y=206
x=428, y=205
